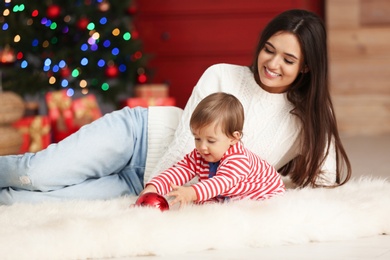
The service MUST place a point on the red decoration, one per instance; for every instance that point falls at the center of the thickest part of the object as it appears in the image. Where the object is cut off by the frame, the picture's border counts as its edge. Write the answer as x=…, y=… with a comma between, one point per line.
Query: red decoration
x=35, y=131
x=112, y=71
x=82, y=23
x=85, y=110
x=35, y=13
x=7, y=56
x=142, y=78
x=65, y=72
x=60, y=114
x=53, y=11
x=134, y=34
x=19, y=56
x=132, y=9
x=153, y=200
x=67, y=115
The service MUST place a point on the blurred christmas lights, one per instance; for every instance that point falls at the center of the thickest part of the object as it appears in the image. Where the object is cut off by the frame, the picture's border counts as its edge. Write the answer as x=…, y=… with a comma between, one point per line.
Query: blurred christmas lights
x=88, y=33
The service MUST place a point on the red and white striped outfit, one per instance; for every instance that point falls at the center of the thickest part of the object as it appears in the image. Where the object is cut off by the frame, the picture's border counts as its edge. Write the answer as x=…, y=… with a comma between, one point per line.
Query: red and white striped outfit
x=240, y=174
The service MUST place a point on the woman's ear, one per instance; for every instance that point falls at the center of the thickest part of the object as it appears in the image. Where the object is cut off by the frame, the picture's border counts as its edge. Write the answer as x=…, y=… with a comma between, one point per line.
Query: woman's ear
x=305, y=69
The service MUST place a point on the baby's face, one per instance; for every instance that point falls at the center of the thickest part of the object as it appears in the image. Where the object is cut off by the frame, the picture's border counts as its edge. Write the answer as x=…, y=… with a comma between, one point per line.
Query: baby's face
x=211, y=142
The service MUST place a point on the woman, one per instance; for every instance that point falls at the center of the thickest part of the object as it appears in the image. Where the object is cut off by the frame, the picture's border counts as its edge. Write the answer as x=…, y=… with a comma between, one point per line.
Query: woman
x=290, y=123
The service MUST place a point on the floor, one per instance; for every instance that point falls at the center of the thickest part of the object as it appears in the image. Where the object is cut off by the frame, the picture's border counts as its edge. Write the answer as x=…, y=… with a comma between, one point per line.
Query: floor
x=366, y=248
x=369, y=156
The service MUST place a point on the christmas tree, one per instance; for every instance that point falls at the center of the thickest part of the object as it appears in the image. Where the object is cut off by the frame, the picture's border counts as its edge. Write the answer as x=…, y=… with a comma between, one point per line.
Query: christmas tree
x=81, y=45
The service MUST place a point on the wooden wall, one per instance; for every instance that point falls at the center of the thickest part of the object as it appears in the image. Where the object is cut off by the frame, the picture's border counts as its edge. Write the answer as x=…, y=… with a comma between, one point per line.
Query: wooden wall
x=359, y=53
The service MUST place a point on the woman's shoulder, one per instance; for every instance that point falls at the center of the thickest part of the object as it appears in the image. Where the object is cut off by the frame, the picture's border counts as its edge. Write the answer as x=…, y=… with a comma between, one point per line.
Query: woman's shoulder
x=221, y=77
x=227, y=67
x=225, y=75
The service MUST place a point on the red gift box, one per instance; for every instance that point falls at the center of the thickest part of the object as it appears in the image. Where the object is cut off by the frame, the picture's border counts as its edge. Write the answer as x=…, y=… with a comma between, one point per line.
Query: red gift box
x=67, y=115
x=60, y=114
x=146, y=102
x=85, y=110
x=35, y=131
x=151, y=91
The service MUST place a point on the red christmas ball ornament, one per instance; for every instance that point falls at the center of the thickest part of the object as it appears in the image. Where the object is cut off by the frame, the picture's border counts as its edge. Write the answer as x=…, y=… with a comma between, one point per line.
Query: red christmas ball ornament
x=82, y=23
x=142, y=78
x=134, y=34
x=153, y=200
x=131, y=9
x=112, y=71
x=65, y=72
x=53, y=11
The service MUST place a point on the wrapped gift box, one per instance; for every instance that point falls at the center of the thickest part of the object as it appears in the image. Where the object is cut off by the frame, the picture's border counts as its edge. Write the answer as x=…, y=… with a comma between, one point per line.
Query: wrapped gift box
x=67, y=115
x=85, y=110
x=60, y=114
x=35, y=132
x=151, y=91
x=146, y=102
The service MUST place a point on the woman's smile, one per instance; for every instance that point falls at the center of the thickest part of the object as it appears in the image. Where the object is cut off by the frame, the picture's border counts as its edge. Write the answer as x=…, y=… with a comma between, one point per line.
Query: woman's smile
x=270, y=74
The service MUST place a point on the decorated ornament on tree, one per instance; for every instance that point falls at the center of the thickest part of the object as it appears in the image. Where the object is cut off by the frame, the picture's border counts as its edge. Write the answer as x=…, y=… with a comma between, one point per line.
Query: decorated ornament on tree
x=53, y=11
x=7, y=56
x=82, y=23
x=131, y=10
x=134, y=34
x=104, y=6
x=142, y=78
x=112, y=71
x=153, y=200
x=65, y=72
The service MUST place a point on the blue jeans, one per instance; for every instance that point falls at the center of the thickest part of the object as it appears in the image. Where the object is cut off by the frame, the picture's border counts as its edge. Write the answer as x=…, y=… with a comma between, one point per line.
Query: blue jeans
x=103, y=160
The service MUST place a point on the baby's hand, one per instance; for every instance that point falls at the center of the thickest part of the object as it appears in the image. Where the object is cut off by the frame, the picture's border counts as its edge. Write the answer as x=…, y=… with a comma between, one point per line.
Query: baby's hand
x=182, y=195
x=148, y=188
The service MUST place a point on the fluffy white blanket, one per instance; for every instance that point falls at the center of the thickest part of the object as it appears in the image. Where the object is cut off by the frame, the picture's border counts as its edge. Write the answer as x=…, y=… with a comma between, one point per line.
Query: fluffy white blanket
x=106, y=229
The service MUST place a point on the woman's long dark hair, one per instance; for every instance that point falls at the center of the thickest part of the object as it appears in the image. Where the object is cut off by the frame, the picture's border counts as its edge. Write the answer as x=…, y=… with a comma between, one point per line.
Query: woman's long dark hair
x=309, y=94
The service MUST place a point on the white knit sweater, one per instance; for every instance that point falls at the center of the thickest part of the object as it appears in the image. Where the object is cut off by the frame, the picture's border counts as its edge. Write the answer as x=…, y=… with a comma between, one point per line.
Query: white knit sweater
x=270, y=130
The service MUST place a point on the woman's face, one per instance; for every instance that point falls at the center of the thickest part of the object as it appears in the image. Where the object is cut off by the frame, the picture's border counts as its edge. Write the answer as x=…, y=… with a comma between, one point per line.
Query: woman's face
x=279, y=62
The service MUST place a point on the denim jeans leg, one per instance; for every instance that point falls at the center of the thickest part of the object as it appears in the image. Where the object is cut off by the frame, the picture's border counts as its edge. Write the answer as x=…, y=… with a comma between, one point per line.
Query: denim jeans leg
x=107, y=187
x=104, y=147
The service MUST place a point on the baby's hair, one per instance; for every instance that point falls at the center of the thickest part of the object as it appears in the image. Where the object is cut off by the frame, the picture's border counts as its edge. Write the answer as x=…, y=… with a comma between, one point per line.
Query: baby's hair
x=221, y=108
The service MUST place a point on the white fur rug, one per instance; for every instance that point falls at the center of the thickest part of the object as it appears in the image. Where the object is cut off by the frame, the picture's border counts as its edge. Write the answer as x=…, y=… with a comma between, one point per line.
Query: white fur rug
x=109, y=229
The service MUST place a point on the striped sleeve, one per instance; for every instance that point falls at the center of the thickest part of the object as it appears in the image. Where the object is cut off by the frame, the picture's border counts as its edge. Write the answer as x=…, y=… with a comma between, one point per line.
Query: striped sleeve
x=178, y=174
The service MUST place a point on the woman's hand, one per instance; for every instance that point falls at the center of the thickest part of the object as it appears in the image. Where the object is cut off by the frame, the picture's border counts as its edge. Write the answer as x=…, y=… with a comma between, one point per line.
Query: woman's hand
x=182, y=195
